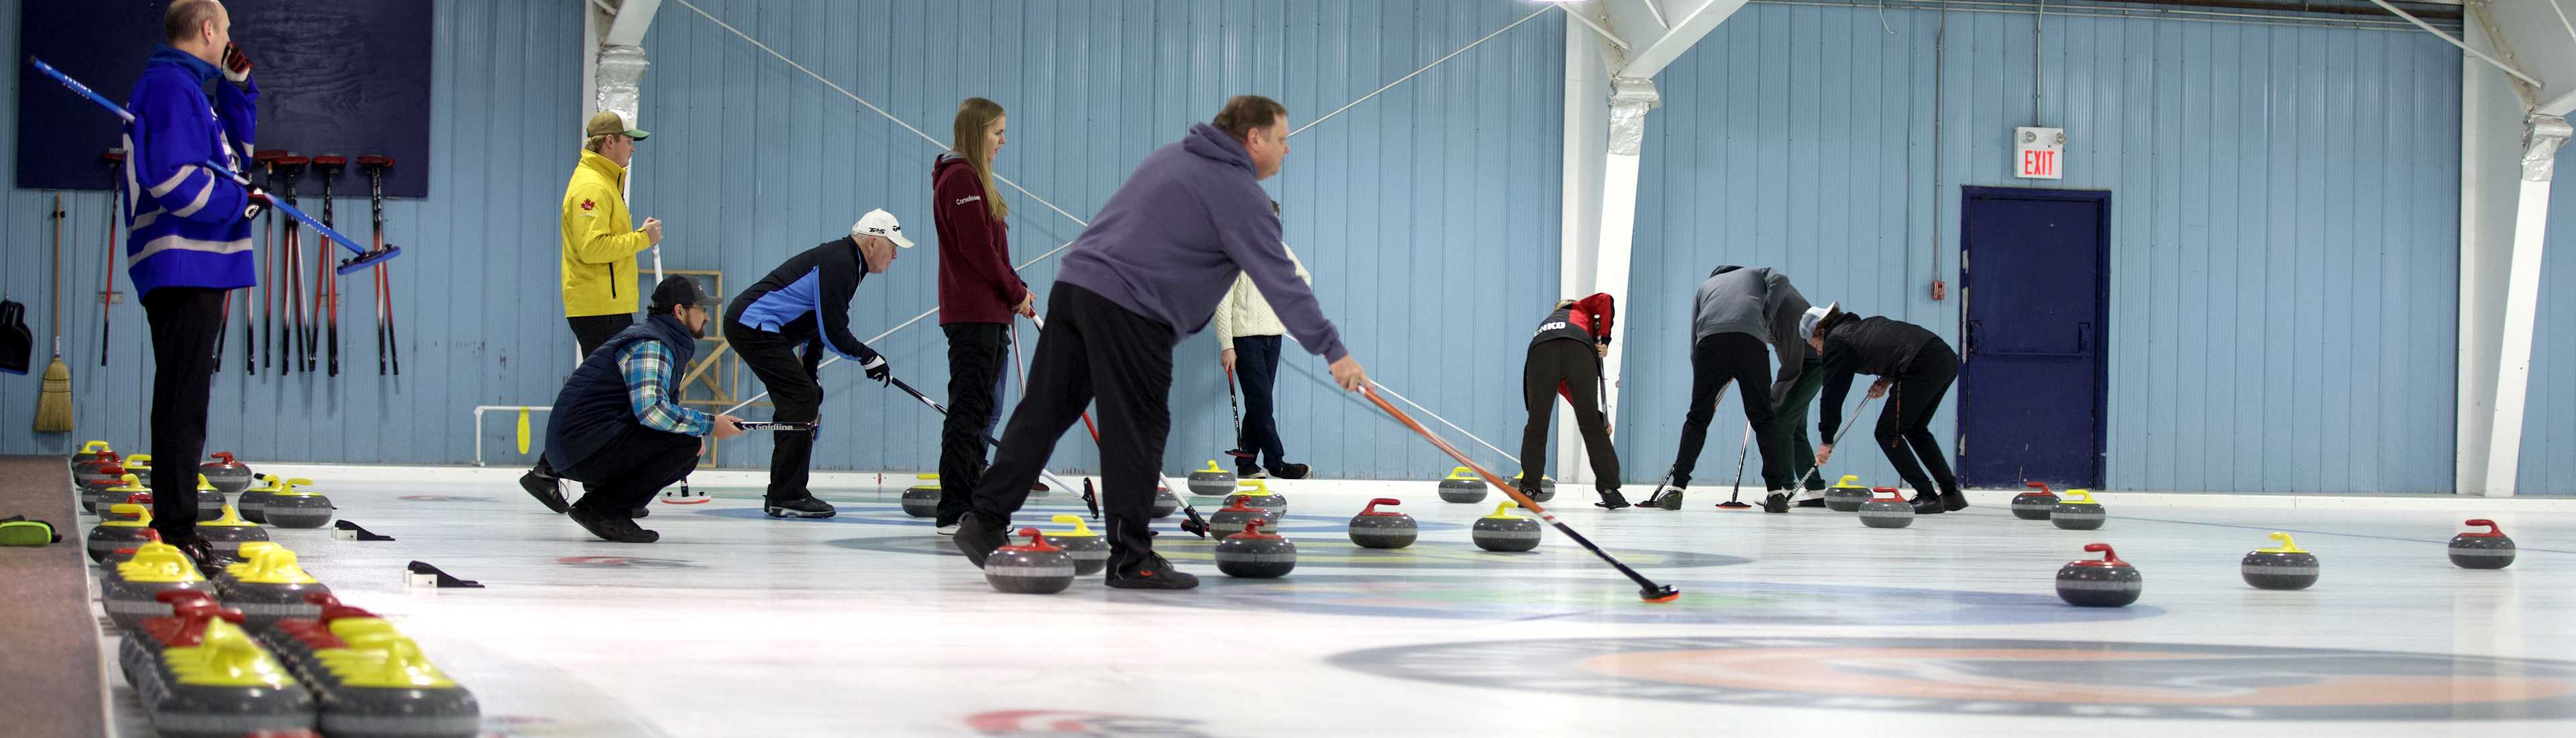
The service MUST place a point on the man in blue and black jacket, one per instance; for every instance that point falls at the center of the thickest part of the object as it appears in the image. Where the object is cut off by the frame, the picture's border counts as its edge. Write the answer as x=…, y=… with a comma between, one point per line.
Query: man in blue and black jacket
x=805, y=304
x=188, y=234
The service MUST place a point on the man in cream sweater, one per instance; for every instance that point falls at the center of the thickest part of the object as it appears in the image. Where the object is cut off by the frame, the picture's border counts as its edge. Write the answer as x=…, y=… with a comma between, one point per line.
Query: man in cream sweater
x=1248, y=334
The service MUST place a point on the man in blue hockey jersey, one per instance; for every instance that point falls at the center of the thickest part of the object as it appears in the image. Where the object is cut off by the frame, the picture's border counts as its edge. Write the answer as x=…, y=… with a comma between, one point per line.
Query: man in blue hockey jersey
x=805, y=304
x=188, y=235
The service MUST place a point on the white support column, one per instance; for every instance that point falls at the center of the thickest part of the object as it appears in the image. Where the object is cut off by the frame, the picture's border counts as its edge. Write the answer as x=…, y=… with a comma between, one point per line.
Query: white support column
x=1596, y=260
x=1586, y=141
x=2521, y=303
x=1630, y=98
x=2491, y=125
x=1611, y=57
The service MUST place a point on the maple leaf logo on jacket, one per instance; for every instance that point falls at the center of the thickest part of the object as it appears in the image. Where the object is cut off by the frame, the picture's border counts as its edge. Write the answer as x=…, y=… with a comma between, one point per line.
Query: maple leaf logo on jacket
x=588, y=205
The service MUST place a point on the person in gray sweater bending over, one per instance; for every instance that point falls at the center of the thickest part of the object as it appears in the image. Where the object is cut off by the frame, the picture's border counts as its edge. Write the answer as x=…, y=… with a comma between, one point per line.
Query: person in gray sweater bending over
x=1738, y=314
x=1146, y=274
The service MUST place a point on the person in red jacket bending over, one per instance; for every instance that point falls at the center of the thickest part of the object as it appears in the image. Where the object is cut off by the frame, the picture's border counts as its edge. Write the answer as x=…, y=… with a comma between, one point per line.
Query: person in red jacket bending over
x=978, y=292
x=1565, y=359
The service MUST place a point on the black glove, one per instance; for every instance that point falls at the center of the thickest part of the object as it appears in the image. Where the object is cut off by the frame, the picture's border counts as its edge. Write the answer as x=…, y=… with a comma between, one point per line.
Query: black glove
x=255, y=201
x=236, y=65
x=878, y=370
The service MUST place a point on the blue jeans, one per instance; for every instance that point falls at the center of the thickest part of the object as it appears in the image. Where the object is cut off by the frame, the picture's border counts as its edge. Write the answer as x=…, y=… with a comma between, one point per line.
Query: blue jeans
x=1256, y=367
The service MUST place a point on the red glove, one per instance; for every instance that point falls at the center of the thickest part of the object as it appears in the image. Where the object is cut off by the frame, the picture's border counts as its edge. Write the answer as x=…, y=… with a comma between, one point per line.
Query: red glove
x=256, y=202
x=236, y=65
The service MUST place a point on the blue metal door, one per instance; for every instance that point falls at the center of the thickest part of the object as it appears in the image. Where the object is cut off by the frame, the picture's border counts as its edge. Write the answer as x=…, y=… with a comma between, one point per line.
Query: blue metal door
x=2033, y=282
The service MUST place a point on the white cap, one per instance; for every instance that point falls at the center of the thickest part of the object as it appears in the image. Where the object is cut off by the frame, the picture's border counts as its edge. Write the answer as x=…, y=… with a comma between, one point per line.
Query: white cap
x=880, y=223
x=1807, y=322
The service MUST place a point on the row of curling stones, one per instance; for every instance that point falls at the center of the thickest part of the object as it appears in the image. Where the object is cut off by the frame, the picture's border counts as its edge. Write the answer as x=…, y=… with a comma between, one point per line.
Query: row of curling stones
x=2078, y=511
x=369, y=679
x=265, y=576
x=294, y=507
x=198, y=673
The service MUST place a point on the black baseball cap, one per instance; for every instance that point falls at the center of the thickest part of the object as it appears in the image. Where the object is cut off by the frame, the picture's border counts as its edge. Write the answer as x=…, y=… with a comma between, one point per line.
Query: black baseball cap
x=678, y=290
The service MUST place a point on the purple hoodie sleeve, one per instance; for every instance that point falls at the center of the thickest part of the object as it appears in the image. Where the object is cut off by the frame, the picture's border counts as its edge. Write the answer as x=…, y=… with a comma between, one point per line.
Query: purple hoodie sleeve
x=1252, y=240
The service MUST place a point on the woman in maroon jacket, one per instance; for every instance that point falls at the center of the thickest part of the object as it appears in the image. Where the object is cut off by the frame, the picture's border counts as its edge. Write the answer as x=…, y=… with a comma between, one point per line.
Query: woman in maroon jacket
x=978, y=292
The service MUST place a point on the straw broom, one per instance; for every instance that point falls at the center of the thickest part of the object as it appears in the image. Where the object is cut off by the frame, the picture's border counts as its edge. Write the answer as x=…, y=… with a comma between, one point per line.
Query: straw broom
x=54, y=405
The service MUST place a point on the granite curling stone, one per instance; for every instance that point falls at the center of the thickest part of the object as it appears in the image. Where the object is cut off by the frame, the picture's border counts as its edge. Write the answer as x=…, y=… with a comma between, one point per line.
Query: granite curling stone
x=1375, y=528
x=1505, y=532
x=2106, y=582
x=1253, y=554
x=2285, y=566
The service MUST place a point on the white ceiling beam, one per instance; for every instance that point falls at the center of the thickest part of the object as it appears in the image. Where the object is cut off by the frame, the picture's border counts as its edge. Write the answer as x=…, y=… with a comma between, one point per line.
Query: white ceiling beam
x=2560, y=107
x=1585, y=17
x=2428, y=28
x=633, y=18
x=1686, y=32
x=1637, y=20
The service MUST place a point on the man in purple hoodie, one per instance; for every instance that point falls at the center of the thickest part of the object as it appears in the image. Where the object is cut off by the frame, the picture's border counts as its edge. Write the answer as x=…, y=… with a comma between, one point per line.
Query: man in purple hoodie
x=1146, y=274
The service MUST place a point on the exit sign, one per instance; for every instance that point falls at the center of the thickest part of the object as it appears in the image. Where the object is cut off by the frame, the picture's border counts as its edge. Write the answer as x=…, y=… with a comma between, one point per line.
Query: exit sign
x=2039, y=153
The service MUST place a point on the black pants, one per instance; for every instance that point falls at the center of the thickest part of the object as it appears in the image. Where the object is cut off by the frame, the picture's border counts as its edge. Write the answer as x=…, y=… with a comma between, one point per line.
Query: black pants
x=588, y=332
x=1746, y=361
x=1093, y=349
x=1578, y=368
x=185, y=322
x=1791, y=417
x=794, y=397
x=1256, y=367
x=1905, y=427
x=975, y=355
x=626, y=473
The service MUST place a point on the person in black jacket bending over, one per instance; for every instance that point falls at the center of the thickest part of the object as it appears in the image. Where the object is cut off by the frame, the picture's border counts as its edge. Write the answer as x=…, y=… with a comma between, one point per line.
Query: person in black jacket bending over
x=1914, y=361
x=806, y=303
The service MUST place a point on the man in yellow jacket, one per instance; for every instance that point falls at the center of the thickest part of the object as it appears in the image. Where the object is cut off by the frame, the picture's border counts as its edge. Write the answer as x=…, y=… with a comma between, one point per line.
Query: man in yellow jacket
x=600, y=242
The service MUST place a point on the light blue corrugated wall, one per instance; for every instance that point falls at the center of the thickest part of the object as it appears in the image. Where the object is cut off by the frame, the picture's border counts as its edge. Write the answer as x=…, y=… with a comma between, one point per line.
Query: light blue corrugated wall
x=2548, y=434
x=475, y=289
x=1428, y=214
x=2284, y=222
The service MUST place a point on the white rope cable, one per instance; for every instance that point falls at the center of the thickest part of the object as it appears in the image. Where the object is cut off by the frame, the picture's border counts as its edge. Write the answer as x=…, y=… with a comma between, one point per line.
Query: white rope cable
x=1400, y=80
x=836, y=358
x=1381, y=386
x=934, y=142
x=836, y=87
